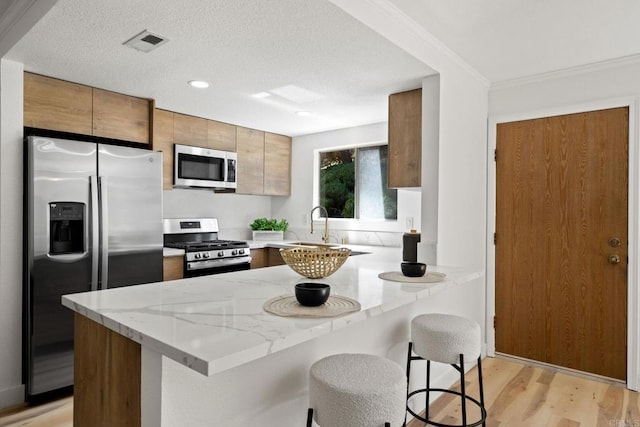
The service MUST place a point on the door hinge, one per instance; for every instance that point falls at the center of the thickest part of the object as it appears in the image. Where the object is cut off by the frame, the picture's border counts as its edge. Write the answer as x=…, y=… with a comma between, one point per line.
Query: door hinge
x=494, y=322
x=495, y=155
x=495, y=238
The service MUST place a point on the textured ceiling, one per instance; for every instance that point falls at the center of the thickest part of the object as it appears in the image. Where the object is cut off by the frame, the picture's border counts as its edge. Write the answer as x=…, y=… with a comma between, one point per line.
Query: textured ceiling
x=240, y=46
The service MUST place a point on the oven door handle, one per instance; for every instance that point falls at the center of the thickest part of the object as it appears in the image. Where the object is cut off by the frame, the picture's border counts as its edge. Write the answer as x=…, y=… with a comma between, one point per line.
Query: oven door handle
x=212, y=263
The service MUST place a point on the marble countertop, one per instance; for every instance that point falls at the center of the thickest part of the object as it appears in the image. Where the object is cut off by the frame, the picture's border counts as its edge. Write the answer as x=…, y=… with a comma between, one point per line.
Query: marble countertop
x=214, y=323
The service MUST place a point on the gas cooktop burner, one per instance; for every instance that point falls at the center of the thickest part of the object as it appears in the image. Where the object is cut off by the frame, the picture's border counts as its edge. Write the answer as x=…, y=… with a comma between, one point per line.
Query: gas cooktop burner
x=207, y=245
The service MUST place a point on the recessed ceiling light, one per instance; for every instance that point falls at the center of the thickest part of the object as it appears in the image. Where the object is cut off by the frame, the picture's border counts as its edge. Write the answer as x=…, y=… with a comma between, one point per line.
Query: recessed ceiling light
x=303, y=113
x=261, y=95
x=199, y=84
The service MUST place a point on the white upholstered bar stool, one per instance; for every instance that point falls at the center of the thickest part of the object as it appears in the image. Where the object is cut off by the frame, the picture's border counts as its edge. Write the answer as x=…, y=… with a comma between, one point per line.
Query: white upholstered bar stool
x=446, y=339
x=356, y=390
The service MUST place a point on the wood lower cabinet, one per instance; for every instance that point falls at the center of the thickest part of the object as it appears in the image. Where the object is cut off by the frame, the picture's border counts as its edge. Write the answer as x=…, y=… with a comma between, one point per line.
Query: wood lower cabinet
x=250, y=149
x=274, y=257
x=57, y=105
x=266, y=257
x=259, y=258
x=405, y=139
x=277, y=165
x=173, y=267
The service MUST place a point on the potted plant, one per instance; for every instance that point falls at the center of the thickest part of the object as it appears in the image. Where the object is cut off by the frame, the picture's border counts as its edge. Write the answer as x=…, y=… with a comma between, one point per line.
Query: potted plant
x=268, y=229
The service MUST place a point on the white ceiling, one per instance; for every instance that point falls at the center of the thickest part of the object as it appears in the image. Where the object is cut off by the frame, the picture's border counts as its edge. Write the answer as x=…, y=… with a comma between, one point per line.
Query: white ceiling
x=511, y=39
x=247, y=46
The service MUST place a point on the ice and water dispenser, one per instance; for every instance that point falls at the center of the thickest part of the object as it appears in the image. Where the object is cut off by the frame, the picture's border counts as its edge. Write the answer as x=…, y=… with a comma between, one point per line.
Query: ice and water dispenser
x=66, y=228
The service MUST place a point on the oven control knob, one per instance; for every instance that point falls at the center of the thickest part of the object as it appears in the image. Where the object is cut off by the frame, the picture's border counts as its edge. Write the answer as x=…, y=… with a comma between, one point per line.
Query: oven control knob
x=221, y=253
x=205, y=255
x=241, y=251
x=234, y=252
x=197, y=256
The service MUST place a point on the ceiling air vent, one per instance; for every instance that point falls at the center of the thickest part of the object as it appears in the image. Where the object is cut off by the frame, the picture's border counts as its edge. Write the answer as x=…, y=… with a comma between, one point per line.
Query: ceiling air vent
x=146, y=41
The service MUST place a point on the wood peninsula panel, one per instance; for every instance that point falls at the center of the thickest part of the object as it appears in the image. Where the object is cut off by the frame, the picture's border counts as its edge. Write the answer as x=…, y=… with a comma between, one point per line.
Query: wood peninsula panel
x=221, y=136
x=277, y=164
x=250, y=149
x=259, y=258
x=163, y=141
x=173, y=267
x=189, y=130
x=57, y=105
x=107, y=381
x=121, y=116
x=405, y=139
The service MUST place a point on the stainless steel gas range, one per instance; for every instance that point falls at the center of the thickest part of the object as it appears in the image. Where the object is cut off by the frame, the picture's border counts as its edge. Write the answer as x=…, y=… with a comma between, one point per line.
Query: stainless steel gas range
x=204, y=253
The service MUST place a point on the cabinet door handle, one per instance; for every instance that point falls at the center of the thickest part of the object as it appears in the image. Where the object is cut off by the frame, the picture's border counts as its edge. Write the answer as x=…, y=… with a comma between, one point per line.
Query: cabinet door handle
x=614, y=259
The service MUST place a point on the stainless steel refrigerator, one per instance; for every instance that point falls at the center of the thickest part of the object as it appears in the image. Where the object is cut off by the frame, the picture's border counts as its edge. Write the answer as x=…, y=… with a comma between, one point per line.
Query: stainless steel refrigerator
x=93, y=221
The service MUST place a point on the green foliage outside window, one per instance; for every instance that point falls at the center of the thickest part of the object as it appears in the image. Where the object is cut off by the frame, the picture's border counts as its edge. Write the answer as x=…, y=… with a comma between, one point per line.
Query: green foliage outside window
x=341, y=193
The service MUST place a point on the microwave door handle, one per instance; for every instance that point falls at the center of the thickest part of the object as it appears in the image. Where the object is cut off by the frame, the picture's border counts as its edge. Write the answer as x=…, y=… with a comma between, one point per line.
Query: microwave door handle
x=95, y=231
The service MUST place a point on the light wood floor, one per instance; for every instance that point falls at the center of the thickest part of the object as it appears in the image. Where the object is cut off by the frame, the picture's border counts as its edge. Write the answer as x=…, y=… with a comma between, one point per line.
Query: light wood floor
x=516, y=394
x=525, y=395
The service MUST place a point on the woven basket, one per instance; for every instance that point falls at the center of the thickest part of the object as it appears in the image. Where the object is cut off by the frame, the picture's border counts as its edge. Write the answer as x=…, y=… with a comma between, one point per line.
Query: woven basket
x=315, y=263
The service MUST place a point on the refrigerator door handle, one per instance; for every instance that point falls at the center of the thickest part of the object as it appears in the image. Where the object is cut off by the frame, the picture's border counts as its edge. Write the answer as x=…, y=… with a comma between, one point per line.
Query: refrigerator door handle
x=104, y=231
x=95, y=231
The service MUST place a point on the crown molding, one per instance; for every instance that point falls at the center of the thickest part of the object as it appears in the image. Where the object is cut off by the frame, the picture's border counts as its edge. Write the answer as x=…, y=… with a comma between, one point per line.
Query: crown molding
x=388, y=9
x=567, y=72
x=18, y=19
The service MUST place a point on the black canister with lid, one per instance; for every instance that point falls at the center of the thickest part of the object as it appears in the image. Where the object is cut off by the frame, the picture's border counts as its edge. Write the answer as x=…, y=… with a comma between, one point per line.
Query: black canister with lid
x=410, y=242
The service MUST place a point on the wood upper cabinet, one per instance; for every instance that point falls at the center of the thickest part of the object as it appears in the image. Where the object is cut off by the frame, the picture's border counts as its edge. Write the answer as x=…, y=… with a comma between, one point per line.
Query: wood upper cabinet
x=221, y=136
x=69, y=107
x=189, y=130
x=250, y=149
x=163, y=141
x=57, y=105
x=120, y=116
x=277, y=165
x=405, y=139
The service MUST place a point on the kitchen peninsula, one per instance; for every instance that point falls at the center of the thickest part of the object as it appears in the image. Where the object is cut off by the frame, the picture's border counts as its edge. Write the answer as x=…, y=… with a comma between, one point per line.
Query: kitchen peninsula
x=203, y=352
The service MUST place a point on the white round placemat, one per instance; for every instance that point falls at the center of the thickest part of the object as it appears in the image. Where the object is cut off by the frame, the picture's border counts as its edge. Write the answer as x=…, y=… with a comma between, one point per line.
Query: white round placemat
x=397, y=276
x=288, y=306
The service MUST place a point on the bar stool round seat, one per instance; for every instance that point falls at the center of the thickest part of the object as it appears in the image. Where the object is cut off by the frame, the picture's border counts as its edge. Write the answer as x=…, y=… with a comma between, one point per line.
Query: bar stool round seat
x=356, y=390
x=446, y=339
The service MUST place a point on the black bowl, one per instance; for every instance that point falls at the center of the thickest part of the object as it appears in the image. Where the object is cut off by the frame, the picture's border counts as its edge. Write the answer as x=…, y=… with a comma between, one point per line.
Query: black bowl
x=413, y=269
x=312, y=294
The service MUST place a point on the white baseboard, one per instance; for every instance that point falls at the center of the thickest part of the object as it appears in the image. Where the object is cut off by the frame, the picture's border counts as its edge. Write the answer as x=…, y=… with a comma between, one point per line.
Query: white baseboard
x=11, y=396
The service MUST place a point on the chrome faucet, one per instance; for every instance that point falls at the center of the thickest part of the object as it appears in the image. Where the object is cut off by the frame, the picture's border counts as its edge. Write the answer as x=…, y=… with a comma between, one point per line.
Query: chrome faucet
x=325, y=236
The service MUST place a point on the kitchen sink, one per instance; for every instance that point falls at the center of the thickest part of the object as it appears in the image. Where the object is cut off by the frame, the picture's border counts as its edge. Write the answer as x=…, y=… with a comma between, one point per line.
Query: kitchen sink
x=315, y=245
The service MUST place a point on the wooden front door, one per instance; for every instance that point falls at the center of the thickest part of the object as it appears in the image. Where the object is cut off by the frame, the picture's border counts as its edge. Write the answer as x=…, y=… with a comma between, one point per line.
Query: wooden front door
x=561, y=240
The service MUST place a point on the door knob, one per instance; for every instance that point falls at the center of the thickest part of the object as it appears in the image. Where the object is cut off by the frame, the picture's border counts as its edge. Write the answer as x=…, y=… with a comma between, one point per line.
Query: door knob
x=614, y=242
x=614, y=259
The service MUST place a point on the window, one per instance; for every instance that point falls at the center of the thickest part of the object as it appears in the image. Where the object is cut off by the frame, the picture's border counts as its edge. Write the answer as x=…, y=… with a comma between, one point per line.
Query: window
x=353, y=184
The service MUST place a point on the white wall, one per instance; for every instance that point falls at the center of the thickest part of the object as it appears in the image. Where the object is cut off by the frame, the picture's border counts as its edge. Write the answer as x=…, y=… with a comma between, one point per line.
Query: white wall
x=234, y=211
x=11, y=388
x=297, y=207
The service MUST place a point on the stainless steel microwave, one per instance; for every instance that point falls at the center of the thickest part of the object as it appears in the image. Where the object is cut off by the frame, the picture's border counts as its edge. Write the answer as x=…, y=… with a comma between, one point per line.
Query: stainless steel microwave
x=203, y=168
